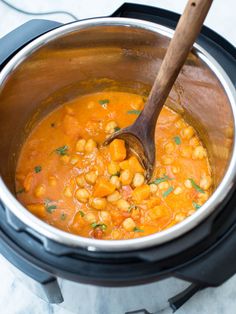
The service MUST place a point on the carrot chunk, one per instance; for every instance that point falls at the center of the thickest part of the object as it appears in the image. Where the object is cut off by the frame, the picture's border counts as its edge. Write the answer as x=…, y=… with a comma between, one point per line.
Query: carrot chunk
x=135, y=165
x=117, y=150
x=132, y=164
x=103, y=188
x=141, y=193
x=37, y=209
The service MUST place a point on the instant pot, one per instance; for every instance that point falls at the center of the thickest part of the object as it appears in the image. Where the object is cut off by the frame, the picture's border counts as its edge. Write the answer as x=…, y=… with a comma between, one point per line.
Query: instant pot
x=43, y=64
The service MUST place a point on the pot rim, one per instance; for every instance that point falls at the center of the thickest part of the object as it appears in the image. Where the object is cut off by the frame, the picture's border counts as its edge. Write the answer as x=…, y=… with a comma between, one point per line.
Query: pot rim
x=41, y=229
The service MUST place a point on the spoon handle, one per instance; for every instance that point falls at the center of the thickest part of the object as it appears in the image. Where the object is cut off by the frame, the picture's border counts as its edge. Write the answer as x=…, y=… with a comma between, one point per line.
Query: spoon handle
x=185, y=34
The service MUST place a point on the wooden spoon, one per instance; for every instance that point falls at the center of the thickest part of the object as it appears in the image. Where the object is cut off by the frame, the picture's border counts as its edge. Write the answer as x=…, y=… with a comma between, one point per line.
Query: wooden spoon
x=139, y=136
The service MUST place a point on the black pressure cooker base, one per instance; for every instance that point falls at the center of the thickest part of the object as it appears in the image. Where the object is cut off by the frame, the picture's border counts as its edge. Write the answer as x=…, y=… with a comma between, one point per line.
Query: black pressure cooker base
x=205, y=256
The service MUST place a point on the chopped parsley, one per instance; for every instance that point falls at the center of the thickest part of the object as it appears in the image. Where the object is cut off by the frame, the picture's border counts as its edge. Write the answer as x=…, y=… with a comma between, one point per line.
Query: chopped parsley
x=37, y=169
x=63, y=150
x=162, y=179
x=132, y=207
x=136, y=229
x=63, y=216
x=168, y=191
x=116, y=129
x=177, y=140
x=196, y=206
x=196, y=187
x=134, y=111
x=104, y=102
x=117, y=174
x=22, y=190
x=81, y=213
x=95, y=225
x=49, y=207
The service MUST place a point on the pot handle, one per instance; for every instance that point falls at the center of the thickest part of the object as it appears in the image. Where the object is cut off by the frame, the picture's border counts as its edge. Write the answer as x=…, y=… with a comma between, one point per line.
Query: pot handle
x=19, y=37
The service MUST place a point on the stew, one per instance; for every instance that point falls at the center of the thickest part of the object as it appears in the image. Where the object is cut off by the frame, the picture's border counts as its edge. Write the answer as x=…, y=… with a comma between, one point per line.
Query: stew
x=68, y=179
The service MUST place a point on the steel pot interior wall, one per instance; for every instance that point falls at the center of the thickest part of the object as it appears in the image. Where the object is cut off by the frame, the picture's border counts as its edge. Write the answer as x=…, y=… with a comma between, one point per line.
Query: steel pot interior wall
x=117, y=57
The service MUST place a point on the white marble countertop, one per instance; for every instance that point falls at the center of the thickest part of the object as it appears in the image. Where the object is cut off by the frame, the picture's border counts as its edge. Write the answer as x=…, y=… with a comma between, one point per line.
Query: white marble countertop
x=14, y=296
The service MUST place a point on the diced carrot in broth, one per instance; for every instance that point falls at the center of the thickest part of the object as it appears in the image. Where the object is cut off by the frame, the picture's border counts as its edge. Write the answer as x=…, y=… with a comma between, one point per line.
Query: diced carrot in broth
x=103, y=188
x=141, y=193
x=117, y=150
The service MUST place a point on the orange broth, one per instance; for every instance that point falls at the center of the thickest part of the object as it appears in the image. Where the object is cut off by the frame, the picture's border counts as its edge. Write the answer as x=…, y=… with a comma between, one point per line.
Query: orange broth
x=68, y=180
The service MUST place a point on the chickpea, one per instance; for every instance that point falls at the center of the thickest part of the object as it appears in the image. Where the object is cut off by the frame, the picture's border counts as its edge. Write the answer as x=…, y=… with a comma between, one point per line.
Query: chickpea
x=194, y=141
x=74, y=160
x=153, y=188
x=205, y=182
x=82, y=195
x=110, y=127
x=138, y=179
x=113, y=168
x=115, y=181
x=187, y=133
x=80, y=145
x=179, y=217
x=163, y=185
x=105, y=216
x=180, y=124
x=167, y=160
x=90, y=146
x=169, y=148
x=65, y=159
x=90, y=217
x=67, y=192
x=52, y=181
x=80, y=180
x=98, y=203
x=186, y=152
x=188, y=184
x=175, y=169
x=128, y=224
x=123, y=205
x=91, y=177
x=199, y=152
x=40, y=190
x=115, y=196
x=202, y=198
x=178, y=190
x=126, y=177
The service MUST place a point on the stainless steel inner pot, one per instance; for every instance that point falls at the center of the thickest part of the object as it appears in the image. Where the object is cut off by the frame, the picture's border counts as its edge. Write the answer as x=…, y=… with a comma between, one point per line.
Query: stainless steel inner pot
x=119, y=54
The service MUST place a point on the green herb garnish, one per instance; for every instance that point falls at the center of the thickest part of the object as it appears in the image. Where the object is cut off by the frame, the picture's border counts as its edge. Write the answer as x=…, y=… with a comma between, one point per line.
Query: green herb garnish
x=20, y=191
x=196, y=187
x=168, y=191
x=63, y=150
x=117, y=129
x=136, y=229
x=132, y=207
x=104, y=102
x=37, y=169
x=63, y=216
x=196, y=206
x=162, y=179
x=96, y=225
x=81, y=213
x=134, y=111
x=117, y=174
x=49, y=208
x=177, y=140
